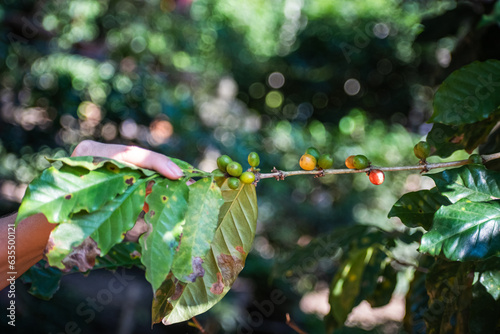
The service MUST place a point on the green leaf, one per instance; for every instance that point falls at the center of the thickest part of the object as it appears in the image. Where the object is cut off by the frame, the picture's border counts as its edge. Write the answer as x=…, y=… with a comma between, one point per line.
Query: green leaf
x=418, y=208
x=447, y=139
x=484, y=311
x=205, y=201
x=93, y=163
x=491, y=281
x=472, y=182
x=488, y=273
x=106, y=226
x=124, y=254
x=464, y=231
x=346, y=284
x=188, y=169
x=468, y=95
x=226, y=258
x=44, y=280
x=59, y=193
x=168, y=203
x=385, y=285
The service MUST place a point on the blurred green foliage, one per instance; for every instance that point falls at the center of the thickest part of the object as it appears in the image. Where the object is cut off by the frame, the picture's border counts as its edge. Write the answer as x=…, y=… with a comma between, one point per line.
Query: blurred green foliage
x=196, y=79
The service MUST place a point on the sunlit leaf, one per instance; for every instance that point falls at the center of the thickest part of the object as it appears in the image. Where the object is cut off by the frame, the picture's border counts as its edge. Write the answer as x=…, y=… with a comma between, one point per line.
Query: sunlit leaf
x=93, y=163
x=464, y=231
x=472, y=182
x=168, y=203
x=468, y=95
x=347, y=284
x=226, y=258
x=106, y=226
x=205, y=200
x=418, y=208
x=59, y=193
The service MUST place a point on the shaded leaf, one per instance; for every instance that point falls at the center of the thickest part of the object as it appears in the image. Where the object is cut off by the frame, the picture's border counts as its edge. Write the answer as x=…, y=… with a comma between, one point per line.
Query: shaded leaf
x=417, y=299
x=484, y=311
x=449, y=286
x=106, y=226
x=418, y=208
x=226, y=258
x=385, y=285
x=464, y=231
x=329, y=245
x=168, y=203
x=124, y=254
x=44, y=280
x=205, y=200
x=472, y=182
x=59, y=193
x=468, y=95
x=447, y=139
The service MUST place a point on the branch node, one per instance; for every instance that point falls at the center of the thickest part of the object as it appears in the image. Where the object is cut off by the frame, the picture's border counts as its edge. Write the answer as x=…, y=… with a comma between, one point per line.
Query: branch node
x=280, y=176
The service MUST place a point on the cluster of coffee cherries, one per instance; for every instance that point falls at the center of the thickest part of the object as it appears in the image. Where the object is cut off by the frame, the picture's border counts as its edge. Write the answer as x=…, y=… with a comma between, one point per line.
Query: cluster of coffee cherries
x=312, y=159
x=359, y=161
x=234, y=171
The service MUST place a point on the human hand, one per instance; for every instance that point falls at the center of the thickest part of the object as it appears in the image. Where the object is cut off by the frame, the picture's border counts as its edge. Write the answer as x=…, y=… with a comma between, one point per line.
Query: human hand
x=135, y=155
x=132, y=154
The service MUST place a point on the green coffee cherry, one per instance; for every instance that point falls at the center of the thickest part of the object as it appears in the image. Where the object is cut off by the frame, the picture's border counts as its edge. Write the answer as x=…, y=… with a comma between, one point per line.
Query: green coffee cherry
x=325, y=161
x=223, y=161
x=360, y=162
x=475, y=159
x=422, y=150
x=234, y=169
x=233, y=182
x=253, y=159
x=247, y=177
x=314, y=152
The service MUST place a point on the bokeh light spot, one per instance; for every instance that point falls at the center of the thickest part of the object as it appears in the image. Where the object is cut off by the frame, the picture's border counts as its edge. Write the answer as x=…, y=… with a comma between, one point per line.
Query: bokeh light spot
x=257, y=90
x=276, y=80
x=352, y=87
x=274, y=99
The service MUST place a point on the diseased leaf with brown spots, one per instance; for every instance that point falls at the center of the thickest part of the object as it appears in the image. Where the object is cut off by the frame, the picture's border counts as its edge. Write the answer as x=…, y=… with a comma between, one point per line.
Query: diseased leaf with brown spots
x=205, y=200
x=105, y=226
x=168, y=204
x=225, y=259
x=59, y=193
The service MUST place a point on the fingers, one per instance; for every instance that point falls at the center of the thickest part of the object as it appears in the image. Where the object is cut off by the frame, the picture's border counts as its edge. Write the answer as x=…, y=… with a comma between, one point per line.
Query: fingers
x=135, y=155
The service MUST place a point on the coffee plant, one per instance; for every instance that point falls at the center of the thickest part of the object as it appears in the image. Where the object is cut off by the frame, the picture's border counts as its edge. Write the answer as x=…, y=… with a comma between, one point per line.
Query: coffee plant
x=199, y=235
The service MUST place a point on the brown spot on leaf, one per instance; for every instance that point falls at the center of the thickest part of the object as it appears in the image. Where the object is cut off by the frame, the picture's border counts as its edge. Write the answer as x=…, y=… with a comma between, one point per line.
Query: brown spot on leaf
x=83, y=256
x=68, y=196
x=198, y=270
x=179, y=289
x=135, y=255
x=240, y=249
x=218, y=287
x=151, y=213
x=129, y=181
x=230, y=266
x=457, y=139
x=179, y=245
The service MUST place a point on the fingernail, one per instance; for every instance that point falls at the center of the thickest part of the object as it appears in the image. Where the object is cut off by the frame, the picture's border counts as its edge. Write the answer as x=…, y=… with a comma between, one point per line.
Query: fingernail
x=176, y=171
